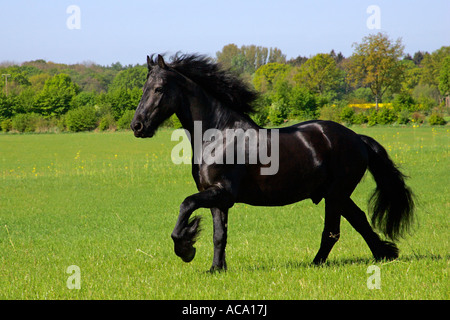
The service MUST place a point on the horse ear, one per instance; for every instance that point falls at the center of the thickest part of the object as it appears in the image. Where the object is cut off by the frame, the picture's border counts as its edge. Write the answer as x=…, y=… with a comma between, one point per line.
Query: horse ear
x=149, y=63
x=161, y=62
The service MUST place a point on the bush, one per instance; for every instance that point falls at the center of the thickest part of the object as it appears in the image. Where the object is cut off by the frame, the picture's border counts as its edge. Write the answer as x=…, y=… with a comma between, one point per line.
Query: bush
x=261, y=117
x=372, y=118
x=262, y=107
x=275, y=114
x=386, y=116
x=328, y=112
x=427, y=97
x=124, y=121
x=107, y=122
x=417, y=117
x=60, y=123
x=361, y=95
x=28, y=122
x=6, y=125
x=173, y=122
x=403, y=101
x=426, y=104
x=302, y=103
x=436, y=119
x=360, y=118
x=20, y=122
x=403, y=117
x=81, y=119
x=347, y=115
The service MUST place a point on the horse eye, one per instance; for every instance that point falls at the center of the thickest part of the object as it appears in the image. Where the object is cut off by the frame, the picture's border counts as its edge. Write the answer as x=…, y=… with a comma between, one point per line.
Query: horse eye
x=158, y=89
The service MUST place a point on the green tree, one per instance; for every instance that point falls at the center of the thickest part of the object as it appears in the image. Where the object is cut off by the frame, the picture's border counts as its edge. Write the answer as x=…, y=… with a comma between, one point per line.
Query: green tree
x=81, y=119
x=6, y=106
x=125, y=90
x=38, y=81
x=121, y=99
x=412, y=75
x=240, y=64
x=376, y=64
x=256, y=56
x=319, y=74
x=302, y=103
x=56, y=96
x=84, y=98
x=248, y=58
x=266, y=75
x=432, y=64
x=225, y=57
x=130, y=78
x=444, y=77
x=297, y=62
x=275, y=55
x=418, y=57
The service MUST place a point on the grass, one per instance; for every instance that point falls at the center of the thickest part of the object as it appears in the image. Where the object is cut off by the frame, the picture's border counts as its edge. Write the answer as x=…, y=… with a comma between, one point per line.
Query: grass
x=107, y=202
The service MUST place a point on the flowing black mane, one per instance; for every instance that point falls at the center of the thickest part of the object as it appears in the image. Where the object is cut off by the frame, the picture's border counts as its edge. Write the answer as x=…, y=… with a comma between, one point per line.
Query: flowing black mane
x=220, y=83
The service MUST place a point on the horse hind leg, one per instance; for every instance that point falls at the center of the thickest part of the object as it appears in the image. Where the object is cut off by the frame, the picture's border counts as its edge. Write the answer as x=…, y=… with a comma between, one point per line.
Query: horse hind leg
x=357, y=218
x=331, y=230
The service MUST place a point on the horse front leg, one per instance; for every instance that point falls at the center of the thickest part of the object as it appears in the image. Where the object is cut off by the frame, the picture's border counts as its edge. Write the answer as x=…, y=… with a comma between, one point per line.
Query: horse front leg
x=187, y=230
x=220, y=220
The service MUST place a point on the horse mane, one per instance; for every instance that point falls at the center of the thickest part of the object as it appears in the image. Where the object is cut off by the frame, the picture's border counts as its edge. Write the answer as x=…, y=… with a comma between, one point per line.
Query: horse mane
x=220, y=83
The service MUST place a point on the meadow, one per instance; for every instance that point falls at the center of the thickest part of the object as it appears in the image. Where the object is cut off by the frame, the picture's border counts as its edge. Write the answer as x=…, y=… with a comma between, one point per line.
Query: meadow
x=107, y=203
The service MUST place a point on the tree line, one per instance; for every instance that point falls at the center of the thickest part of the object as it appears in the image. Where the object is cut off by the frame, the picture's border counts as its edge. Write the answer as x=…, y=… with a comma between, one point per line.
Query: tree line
x=377, y=84
x=45, y=96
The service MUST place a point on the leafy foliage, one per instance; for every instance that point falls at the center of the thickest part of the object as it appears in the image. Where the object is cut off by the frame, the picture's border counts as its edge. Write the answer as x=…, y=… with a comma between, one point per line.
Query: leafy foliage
x=56, y=96
x=444, y=77
x=319, y=74
x=125, y=120
x=81, y=119
x=41, y=94
x=436, y=119
x=376, y=64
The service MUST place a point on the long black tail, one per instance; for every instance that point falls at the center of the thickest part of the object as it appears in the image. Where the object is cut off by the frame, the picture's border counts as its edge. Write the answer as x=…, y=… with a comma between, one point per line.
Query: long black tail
x=392, y=203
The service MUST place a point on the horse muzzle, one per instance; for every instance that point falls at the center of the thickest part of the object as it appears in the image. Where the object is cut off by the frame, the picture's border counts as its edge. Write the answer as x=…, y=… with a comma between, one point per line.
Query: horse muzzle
x=140, y=131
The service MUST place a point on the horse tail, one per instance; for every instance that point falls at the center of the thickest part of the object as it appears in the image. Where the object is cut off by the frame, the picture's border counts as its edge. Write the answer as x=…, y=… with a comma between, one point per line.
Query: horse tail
x=391, y=204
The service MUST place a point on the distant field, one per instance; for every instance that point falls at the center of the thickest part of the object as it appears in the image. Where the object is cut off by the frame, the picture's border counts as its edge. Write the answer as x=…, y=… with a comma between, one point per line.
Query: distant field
x=107, y=203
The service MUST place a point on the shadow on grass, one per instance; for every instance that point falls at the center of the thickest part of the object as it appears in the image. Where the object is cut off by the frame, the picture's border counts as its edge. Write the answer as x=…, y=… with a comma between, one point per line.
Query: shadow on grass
x=271, y=265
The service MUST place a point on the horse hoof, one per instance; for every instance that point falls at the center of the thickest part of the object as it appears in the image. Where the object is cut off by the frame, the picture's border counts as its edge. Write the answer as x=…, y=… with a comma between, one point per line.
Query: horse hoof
x=387, y=251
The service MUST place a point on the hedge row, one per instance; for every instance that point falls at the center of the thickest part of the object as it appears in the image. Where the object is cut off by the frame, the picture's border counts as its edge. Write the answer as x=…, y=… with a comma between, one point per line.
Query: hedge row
x=84, y=118
x=89, y=118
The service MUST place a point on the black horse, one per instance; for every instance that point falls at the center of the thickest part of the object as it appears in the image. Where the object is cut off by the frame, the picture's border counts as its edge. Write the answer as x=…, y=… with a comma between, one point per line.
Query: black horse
x=316, y=160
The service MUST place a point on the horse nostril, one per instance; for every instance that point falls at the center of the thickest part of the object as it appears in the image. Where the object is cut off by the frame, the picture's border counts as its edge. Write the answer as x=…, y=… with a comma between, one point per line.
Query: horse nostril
x=138, y=126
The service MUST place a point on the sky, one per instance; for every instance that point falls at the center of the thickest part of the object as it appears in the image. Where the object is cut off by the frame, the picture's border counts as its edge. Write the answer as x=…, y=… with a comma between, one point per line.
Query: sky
x=105, y=32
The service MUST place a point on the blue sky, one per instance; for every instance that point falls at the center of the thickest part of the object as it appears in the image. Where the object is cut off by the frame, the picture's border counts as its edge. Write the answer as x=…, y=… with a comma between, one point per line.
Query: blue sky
x=126, y=31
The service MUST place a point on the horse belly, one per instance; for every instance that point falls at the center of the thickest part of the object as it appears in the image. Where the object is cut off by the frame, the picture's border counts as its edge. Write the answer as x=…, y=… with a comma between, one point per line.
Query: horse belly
x=285, y=187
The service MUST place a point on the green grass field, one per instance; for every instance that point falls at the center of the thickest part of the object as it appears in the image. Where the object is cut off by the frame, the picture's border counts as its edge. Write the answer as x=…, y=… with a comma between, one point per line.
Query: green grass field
x=107, y=203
